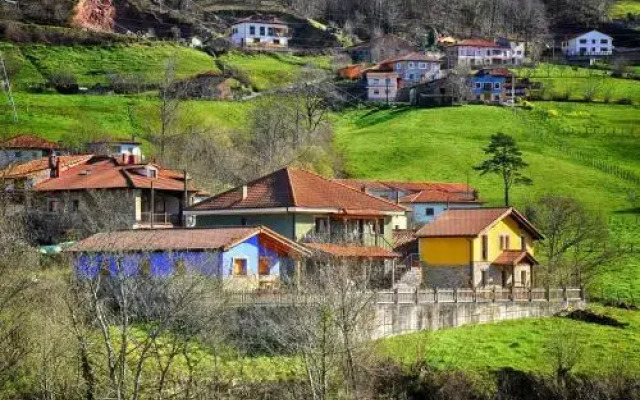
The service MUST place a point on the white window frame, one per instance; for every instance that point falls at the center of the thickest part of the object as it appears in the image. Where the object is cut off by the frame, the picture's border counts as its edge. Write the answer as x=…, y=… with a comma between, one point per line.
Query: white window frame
x=496, y=85
x=411, y=65
x=422, y=65
x=398, y=66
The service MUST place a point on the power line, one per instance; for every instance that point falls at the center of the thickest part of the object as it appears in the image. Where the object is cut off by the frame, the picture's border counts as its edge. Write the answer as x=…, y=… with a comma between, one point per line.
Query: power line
x=6, y=87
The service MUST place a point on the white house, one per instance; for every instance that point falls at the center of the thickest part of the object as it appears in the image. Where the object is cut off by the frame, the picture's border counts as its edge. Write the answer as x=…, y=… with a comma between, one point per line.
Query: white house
x=382, y=85
x=23, y=148
x=129, y=150
x=480, y=53
x=260, y=32
x=592, y=43
x=415, y=68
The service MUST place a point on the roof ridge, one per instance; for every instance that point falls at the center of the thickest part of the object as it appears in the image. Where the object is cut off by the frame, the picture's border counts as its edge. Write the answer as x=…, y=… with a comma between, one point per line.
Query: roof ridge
x=288, y=171
x=354, y=189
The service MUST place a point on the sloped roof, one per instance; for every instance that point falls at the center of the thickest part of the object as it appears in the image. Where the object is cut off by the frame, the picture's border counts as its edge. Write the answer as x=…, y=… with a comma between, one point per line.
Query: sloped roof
x=578, y=34
x=494, y=72
x=402, y=238
x=42, y=164
x=477, y=43
x=150, y=240
x=351, y=251
x=29, y=142
x=415, y=56
x=512, y=258
x=472, y=222
x=109, y=173
x=439, y=196
x=264, y=19
x=291, y=187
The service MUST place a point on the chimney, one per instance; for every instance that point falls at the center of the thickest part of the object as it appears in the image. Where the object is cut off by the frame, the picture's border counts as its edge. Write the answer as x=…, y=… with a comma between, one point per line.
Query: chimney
x=245, y=192
x=54, y=166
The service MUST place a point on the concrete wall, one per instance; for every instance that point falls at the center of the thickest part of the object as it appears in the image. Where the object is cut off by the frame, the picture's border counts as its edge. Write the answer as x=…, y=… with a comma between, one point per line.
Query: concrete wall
x=396, y=319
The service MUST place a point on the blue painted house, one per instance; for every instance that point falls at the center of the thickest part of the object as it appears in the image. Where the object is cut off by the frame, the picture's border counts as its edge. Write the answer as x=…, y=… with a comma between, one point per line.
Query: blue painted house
x=244, y=257
x=489, y=85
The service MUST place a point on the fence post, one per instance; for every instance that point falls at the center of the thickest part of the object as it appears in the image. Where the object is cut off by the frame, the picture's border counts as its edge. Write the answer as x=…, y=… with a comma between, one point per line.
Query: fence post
x=582, y=294
x=395, y=296
x=547, y=293
x=435, y=295
x=493, y=294
x=512, y=292
x=564, y=293
x=455, y=295
x=416, y=295
x=475, y=295
x=530, y=294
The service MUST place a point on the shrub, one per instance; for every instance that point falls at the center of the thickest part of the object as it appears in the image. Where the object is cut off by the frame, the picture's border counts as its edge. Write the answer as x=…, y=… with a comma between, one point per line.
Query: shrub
x=527, y=105
x=63, y=82
x=625, y=101
x=553, y=114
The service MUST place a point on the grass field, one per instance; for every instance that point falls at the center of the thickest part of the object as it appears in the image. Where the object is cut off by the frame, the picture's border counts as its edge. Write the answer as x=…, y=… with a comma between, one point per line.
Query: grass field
x=269, y=71
x=523, y=345
x=55, y=116
x=93, y=64
x=622, y=8
x=562, y=79
x=444, y=144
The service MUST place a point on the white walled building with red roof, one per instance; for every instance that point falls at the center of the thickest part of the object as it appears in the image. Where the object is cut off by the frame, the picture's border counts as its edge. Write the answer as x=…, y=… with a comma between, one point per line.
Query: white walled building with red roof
x=260, y=32
x=480, y=53
x=23, y=148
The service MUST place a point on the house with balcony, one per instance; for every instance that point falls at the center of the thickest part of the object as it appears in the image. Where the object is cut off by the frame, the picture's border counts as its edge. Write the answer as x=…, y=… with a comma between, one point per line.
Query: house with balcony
x=424, y=200
x=23, y=148
x=244, y=258
x=136, y=195
x=329, y=217
x=490, y=85
x=381, y=48
x=481, y=53
x=260, y=32
x=414, y=68
x=592, y=44
x=382, y=85
x=478, y=248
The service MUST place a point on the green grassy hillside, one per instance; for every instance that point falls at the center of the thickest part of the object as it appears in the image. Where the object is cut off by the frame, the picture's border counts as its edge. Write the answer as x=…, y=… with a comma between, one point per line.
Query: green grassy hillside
x=523, y=345
x=269, y=71
x=93, y=64
x=622, y=8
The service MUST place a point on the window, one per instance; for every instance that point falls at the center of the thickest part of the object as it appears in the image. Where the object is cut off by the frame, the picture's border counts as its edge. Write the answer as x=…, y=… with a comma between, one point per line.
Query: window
x=17, y=154
x=239, y=267
x=604, y=49
x=276, y=41
x=270, y=31
x=153, y=173
x=478, y=85
x=496, y=85
x=387, y=81
x=429, y=212
x=398, y=66
x=381, y=226
x=322, y=225
x=523, y=278
x=252, y=30
x=262, y=31
x=376, y=81
x=243, y=221
x=75, y=205
x=488, y=86
x=488, y=52
x=411, y=65
x=583, y=49
x=485, y=278
x=604, y=41
x=505, y=278
x=593, y=49
x=583, y=41
x=507, y=242
x=593, y=41
x=53, y=205
x=263, y=266
x=422, y=65
x=376, y=91
x=519, y=52
x=485, y=247
x=523, y=243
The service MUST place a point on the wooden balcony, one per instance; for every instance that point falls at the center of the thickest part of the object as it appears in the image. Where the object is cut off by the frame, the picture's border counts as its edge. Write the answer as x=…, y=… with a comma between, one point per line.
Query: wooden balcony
x=158, y=220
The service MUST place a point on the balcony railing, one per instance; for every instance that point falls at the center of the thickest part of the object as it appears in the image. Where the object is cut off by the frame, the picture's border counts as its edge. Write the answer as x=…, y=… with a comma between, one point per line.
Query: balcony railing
x=350, y=238
x=159, y=219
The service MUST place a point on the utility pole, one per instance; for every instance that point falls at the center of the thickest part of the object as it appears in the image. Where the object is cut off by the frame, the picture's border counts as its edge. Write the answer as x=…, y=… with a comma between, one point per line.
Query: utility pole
x=6, y=87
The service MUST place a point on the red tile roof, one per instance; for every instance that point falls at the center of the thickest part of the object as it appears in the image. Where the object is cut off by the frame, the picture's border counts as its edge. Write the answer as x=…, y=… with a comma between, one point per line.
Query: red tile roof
x=222, y=238
x=500, y=71
x=439, y=196
x=264, y=19
x=421, y=192
x=472, y=222
x=28, y=142
x=42, y=164
x=290, y=187
x=512, y=258
x=339, y=250
x=415, y=56
x=109, y=173
x=477, y=43
x=404, y=239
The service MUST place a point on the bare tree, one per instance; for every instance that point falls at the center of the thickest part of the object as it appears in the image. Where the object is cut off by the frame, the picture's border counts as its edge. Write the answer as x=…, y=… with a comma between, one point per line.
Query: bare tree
x=576, y=241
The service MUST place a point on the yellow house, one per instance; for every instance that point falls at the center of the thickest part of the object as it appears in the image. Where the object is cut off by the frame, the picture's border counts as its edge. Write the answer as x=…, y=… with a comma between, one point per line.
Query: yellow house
x=481, y=247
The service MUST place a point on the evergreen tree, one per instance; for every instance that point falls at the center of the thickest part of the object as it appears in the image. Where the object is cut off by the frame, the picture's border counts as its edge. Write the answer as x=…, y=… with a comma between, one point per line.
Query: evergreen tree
x=504, y=159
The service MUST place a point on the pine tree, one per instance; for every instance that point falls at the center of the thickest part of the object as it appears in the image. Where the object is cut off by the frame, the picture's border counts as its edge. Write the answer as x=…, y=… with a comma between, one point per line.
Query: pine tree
x=505, y=159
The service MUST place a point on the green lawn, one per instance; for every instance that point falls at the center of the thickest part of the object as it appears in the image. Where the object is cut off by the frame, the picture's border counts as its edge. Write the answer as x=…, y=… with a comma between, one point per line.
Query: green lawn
x=93, y=64
x=444, y=144
x=622, y=8
x=269, y=71
x=55, y=116
x=561, y=79
x=20, y=69
x=523, y=345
